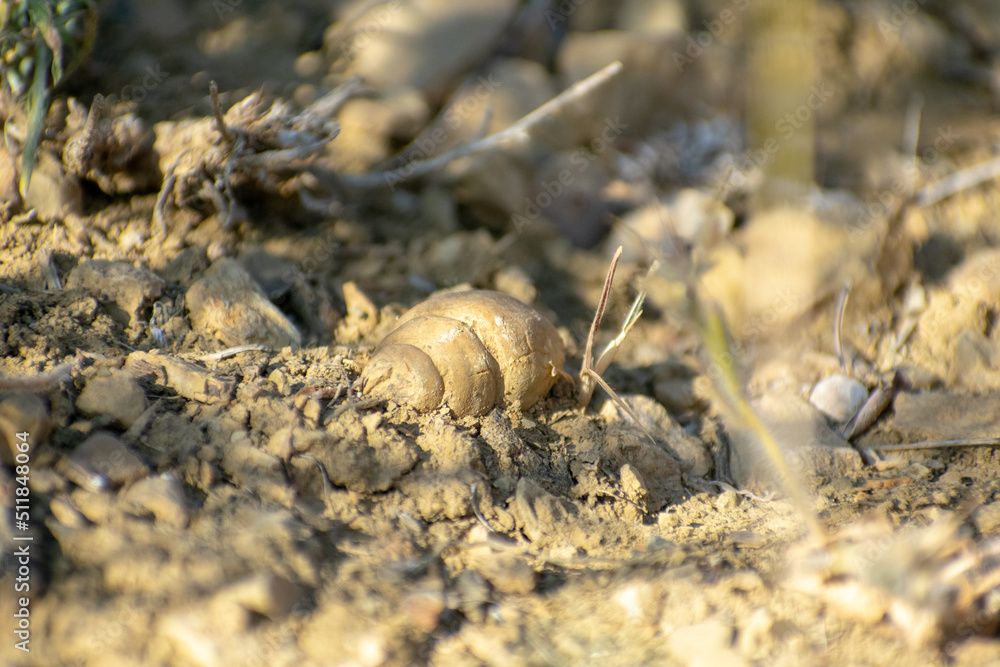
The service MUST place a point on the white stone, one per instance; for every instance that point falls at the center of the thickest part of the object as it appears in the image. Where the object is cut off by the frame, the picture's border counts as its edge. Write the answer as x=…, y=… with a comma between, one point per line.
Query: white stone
x=838, y=397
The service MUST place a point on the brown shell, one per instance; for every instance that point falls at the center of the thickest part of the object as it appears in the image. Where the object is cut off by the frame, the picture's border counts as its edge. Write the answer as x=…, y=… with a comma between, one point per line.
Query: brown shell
x=470, y=351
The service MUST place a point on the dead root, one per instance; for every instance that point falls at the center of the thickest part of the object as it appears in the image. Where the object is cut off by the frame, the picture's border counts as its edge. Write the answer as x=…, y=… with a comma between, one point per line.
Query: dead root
x=268, y=147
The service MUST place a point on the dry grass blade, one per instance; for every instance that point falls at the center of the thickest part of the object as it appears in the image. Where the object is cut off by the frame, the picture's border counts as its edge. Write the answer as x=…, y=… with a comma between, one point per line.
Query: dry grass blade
x=590, y=373
x=879, y=400
x=911, y=140
x=608, y=355
x=39, y=96
x=619, y=402
x=838, y=326
x=737, y=409
x=586, y=380
x=933, y=444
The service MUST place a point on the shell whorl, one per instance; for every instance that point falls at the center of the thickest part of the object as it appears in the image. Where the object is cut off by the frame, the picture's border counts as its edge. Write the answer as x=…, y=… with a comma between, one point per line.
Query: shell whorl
x=470, y=351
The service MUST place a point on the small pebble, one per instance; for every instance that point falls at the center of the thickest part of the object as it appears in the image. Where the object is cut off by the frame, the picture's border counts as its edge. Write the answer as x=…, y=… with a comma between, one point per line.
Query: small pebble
x=163, y=496
x=707, y=643
x=66, y=513
x=693, y=455
x=22, y=413
x=916, y=471
x=633, y=484
x=950, y=477
x=131, y=288
x=727, y=500
x=638, y=600
x=264, y=593
x=507, y=572
x=676, y=394
x=987, y=519
x=280, y=381
x=422, y=610
x=115, y=393
x=757, y=638
x=102, y=460
x=838, y=397
x=474, y=595
x=228, y=304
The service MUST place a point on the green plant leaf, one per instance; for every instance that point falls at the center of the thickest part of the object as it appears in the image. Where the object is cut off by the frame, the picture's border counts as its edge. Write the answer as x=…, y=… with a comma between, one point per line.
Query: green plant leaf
x=38, y=105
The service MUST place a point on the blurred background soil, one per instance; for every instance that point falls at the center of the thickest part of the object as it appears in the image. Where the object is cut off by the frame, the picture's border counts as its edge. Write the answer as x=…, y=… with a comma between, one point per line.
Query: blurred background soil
x=249, y=508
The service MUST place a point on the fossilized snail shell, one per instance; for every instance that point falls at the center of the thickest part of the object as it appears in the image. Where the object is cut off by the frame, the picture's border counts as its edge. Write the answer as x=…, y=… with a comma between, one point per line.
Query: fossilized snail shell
x=471, y=351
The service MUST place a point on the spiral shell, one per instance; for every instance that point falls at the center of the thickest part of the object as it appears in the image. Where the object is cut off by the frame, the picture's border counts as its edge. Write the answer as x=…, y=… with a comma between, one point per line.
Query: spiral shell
x=470, y=351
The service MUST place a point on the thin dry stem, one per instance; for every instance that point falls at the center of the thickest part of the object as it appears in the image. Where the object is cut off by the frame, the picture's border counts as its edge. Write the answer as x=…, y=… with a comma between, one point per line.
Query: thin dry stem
x=960, y=180
x=618, y=401
x=160, y=208
x=80, y=151
x=611, y=349
x=231, y=352
x=838, y=328
x=911, y=137
x=586, y=385
x=213, y=90
x=932, y=444
x=518, y=133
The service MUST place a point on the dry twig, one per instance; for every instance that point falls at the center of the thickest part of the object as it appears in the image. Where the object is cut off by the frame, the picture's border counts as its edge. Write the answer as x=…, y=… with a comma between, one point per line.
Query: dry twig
x=518, y=133
x=586, y=384
x=960, y=180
